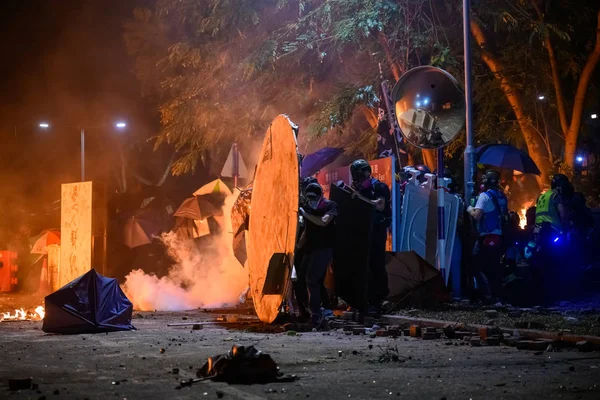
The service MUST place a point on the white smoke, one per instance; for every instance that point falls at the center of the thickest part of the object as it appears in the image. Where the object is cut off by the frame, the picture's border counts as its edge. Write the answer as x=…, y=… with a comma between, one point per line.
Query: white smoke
x=208, y=278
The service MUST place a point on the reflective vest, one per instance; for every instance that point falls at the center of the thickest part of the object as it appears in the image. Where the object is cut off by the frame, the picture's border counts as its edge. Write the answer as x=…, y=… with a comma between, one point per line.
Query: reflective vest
x=546, y=211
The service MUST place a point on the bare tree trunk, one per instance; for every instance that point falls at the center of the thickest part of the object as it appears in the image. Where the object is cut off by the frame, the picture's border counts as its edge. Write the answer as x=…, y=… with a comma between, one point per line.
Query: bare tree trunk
x=560, y=98
x=572, y=134
x=394, y=66
x=167, y=171
x=429, y=159
x=535, y=145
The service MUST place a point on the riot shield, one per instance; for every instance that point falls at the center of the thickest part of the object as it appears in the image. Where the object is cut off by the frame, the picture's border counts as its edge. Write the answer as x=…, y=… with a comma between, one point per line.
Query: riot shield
x=354, y=226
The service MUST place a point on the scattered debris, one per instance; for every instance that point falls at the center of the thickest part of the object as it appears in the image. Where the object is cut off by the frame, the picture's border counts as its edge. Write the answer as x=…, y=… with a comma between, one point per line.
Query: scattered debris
x=161, y=351
x=20, y=384
x=391, y=354
x=585, y=346
x=242, y=365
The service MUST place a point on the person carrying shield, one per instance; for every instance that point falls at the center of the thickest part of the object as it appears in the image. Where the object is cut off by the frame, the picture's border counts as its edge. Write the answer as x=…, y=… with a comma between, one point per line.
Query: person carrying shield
x=316, y=244
x=376, y=193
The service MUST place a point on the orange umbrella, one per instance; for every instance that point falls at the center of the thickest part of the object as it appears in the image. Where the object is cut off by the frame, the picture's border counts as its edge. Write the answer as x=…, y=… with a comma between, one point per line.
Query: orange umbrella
x=44, y=240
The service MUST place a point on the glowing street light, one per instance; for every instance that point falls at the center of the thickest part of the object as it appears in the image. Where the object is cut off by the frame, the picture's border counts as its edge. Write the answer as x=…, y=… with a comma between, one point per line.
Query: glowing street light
x=118, y=125
x=594, y=116
x=541, y=97
x=579, y=159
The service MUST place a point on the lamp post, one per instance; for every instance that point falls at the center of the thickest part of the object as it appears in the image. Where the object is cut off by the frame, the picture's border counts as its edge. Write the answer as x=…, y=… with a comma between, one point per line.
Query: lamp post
x=119, y=125
x=469, y=156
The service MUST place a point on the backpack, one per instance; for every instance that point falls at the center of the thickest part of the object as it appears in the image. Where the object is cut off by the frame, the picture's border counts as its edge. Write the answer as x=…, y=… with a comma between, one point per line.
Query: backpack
x=501, y=210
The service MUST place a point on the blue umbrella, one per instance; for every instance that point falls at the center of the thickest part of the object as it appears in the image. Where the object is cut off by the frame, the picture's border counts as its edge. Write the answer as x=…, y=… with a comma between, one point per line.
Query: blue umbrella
x=313, y=163
x=508, y=157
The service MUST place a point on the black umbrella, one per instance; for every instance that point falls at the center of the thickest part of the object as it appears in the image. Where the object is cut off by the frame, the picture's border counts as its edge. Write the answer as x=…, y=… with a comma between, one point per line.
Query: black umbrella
x=141, y=226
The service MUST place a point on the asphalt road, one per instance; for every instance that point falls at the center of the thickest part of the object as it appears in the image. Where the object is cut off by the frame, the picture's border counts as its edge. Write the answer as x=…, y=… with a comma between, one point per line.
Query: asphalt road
x=90, y=366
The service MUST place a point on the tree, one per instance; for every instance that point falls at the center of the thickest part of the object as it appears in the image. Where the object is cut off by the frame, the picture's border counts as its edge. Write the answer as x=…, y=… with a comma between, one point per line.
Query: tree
x=221, y=70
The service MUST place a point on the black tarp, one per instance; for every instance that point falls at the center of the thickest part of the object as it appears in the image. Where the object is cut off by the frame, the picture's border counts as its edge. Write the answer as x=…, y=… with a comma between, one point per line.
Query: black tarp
x=91, y=303
x=352, y=246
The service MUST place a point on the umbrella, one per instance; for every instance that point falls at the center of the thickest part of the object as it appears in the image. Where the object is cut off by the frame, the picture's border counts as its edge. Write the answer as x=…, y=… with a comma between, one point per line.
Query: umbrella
x=507, y=156
x=198, y=208
x=91, y=303
x=313, y=163
x=141, y=227
x=186, y=228
x=216, y=186
x=45, y=239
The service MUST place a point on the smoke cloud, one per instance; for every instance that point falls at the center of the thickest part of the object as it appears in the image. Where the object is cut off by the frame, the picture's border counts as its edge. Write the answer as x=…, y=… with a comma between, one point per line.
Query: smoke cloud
x=208, y=277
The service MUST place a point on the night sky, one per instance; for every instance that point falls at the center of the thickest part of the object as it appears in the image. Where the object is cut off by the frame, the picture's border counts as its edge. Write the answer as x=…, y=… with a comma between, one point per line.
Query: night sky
x=65, y=62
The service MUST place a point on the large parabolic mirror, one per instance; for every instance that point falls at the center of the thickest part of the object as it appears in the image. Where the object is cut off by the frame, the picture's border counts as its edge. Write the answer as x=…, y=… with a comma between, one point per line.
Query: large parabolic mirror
x=430, y=107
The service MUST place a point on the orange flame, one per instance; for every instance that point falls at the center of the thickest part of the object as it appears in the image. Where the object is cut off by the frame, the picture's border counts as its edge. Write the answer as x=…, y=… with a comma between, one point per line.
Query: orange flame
x=22, y=315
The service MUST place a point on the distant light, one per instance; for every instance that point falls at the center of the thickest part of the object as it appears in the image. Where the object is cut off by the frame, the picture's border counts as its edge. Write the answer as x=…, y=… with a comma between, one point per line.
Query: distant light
x=418, y=104
x=418, y=95
x=556, y=239
x=579, y=159
x=121, y=125
x=44, y=125
x=541, y=97
x=425, y=101
x=594, y=116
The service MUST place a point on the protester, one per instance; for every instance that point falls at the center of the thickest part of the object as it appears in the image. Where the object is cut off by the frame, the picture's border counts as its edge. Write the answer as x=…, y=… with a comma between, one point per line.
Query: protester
x=316, y=245
x=376, y=193
x=552, y=211
x=490, y=213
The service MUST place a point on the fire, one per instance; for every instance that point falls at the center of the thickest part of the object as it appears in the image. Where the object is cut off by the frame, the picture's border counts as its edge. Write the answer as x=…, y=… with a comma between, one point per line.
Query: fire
x=523, y=214
x=22, y=315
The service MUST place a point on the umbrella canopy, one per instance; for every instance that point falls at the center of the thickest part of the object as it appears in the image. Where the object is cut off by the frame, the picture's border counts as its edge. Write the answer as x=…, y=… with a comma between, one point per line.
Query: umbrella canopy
x=44, y=240
x=508, y=157
x=216, y=186
x=91, y=303
x=197, y=208
x=313, y=163
x=186, y=228
x=141, y=227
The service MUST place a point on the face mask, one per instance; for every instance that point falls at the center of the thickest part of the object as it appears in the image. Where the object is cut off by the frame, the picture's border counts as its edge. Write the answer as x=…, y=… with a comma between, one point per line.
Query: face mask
x=312, y=204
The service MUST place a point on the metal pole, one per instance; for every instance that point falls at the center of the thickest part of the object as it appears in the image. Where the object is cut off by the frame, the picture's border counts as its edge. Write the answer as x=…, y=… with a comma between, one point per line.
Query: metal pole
x=82, y=155
x=469, y=155
x=441, y=220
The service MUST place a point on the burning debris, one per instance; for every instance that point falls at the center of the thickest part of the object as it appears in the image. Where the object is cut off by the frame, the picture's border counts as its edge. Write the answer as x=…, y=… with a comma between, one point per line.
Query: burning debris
x=22, y=315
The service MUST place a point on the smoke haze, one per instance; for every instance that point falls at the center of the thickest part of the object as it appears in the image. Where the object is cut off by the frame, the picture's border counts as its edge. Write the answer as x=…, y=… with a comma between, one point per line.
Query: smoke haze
x=207, y=278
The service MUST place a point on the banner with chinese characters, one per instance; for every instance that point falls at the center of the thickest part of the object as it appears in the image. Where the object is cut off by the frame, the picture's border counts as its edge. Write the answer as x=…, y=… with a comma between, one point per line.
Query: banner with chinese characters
x=382, y=169
x=76, y=231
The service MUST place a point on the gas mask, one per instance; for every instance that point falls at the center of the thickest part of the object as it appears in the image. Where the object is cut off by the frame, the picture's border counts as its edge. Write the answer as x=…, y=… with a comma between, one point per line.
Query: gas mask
x=312, y=201
x=361, y=181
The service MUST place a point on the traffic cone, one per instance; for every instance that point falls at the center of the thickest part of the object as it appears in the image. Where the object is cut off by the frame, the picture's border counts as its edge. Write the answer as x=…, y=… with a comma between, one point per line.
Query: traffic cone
x=44, y=284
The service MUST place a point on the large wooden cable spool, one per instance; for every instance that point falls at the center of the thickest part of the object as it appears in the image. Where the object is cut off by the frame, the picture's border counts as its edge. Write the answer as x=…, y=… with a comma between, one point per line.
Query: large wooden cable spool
x=273, y=219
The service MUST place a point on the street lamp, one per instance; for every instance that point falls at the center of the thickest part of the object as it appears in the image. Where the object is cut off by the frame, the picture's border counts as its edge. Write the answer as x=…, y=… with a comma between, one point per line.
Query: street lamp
x=594, y=116
x=119, y=125
x=541, y=97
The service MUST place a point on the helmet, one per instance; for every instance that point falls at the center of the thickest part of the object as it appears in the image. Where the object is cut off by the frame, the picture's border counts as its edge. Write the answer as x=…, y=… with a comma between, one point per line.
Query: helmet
x=491, y=179
x=423, y=168
x=561, y=183
x=359, y=169
x=313, y=189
